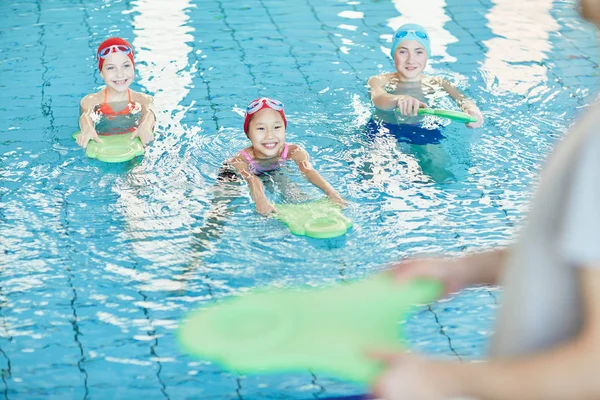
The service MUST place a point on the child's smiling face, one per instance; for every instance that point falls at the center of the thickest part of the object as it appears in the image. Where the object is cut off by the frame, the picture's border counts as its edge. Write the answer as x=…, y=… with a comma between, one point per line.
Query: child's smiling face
x=410, y=59
x=267, y=133
x=118, y=71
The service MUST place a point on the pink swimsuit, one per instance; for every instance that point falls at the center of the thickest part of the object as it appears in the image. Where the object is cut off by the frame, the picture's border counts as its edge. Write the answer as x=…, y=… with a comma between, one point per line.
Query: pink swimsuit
x=258, y=169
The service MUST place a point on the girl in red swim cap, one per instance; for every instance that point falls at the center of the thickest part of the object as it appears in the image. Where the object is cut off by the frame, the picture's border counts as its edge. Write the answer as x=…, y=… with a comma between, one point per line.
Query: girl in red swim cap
x=265, y=124
x=116, y=109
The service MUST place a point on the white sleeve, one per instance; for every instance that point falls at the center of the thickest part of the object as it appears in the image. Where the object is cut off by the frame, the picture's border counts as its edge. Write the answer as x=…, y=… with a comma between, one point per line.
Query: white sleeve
x=581, y=223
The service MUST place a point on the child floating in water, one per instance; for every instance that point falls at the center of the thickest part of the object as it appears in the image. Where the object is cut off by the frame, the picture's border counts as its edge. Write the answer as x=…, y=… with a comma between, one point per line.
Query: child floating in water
x=265, y=125
x=116, y=109
x=406, y=89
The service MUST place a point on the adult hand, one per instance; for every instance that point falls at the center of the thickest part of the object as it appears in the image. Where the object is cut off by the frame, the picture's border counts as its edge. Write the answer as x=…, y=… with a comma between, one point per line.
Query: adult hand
x=85, y=136
x=408, y=105
x=408, y=376
x=451, y=272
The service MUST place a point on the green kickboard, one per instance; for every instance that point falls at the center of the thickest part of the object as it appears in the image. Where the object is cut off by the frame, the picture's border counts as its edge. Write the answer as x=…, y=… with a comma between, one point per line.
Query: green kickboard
x=114, y=148
x=321, y=219
x=326, y=330
x=453, y=115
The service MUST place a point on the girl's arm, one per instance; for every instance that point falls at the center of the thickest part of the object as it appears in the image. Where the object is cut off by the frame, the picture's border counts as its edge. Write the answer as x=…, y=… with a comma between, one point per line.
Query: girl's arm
x=86, y=124
x=466, y=105
x=381, y=99
x=255, y=185
x=145, y=130
x=300, y=156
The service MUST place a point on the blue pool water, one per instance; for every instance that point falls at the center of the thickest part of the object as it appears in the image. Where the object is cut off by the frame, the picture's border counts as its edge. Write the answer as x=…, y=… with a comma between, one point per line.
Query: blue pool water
x=98, y=262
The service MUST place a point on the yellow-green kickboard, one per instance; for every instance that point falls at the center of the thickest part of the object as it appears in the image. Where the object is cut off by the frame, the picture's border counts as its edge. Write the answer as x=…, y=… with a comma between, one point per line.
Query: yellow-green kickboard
x=321, y=219
x=114, y=148
x=325, y=330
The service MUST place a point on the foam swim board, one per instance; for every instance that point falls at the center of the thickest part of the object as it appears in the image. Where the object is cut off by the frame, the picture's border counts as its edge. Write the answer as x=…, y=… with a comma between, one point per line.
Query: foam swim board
x=321, y=219
x=326, y=330
x=450, y=114
x=114, y=148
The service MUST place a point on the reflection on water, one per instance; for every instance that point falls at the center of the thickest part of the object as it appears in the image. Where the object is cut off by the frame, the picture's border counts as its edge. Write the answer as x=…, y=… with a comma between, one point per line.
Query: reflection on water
x=151, y=192
x=162, y=52
x=515, y=56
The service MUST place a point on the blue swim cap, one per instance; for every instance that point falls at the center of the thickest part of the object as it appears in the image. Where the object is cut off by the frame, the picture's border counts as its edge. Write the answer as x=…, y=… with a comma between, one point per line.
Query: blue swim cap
x=410, y=32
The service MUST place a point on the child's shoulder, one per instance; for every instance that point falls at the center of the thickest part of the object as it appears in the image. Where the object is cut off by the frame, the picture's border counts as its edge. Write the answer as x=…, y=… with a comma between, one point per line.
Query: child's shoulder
x=382, y=78
x=91, y=99
x=243, y=154
x=142, y=98
x=240, y=160
x=295, y=151
x=293, y=147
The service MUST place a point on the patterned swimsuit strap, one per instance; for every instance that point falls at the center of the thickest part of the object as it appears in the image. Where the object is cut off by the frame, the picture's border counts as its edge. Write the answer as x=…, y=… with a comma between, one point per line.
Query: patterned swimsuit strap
x=247, y=157
x=284, y=154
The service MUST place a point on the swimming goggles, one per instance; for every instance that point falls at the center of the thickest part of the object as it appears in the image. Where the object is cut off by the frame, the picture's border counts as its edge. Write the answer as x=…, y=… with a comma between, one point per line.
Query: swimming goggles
x=114, y=48
x=419, y=34
x=257, y=104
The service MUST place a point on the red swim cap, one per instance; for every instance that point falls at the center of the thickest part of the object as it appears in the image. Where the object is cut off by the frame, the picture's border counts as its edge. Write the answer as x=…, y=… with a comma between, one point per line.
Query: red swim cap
x=113, y=45
x=258, y=104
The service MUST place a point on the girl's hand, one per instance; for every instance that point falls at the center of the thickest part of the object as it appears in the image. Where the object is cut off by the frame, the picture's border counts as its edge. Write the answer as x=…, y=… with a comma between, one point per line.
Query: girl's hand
x=474, y=111
x=265, y=208
x=408, y=105
x=337, y=199
x=145, y=135
x=85, y=136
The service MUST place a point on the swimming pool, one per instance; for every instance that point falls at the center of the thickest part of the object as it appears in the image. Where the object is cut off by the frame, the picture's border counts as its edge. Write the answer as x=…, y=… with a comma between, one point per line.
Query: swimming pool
x=89, y=252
